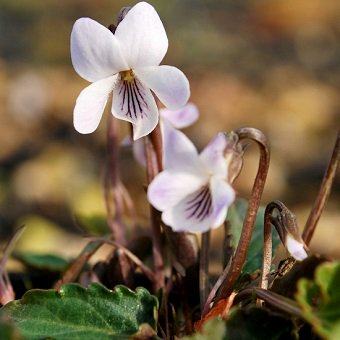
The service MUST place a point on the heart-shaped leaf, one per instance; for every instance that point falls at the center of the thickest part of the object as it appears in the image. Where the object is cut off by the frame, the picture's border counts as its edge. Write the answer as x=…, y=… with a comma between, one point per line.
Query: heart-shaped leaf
x=320, y=299
x=236, y=215
x=75, y=312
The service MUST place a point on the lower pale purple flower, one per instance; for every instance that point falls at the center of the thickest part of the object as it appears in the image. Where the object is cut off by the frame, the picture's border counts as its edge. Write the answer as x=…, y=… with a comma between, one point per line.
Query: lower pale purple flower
x=192, y=192
x=178, y=119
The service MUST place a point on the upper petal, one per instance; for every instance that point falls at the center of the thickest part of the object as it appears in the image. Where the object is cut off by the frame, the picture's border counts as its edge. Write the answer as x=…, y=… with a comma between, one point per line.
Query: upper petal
x=170, y=187
x=169, y=84
x=95, y=51
x=182, y=117
x=179, y=152
x=90, y=105
x=213, y=156
x=134, y=102
x=142, y=36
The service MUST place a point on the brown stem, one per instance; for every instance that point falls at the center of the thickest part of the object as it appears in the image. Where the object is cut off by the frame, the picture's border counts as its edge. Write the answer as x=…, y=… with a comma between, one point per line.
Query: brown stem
x=284, y=223
x=227, y=244
x=6, y=290
x=253, y=205
x=153, y=151
x=9, y=248
x=204, y=268
x=73, y=271
x=323, y=194
x=267, y=245
x=112, y=184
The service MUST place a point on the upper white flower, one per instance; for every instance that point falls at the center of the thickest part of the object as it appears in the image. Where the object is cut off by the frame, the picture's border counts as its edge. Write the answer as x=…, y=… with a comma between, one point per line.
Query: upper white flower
x=125, y=64
x=192, y=192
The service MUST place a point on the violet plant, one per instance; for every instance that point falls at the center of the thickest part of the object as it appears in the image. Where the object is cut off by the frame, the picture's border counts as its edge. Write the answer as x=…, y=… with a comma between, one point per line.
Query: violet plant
x=190, y=193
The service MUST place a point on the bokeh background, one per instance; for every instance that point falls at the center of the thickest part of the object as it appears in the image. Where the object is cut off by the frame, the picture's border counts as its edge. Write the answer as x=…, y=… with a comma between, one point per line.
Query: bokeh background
x=270, y=64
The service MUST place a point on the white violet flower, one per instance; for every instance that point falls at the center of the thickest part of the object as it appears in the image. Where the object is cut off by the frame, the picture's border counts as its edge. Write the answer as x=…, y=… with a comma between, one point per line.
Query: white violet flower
x=125, y=64
x=192, y=192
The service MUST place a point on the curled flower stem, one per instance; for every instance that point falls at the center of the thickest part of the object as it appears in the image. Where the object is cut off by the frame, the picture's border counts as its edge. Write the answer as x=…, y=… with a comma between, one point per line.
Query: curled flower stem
x=153, y=150
x=284, y=223
x=253, y=205
x=323, y=194
x=204, y=268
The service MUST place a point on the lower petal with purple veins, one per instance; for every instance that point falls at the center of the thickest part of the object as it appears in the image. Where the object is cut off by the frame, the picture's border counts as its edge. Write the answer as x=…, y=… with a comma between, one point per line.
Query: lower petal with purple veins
x=192, y=214
x=133, y=101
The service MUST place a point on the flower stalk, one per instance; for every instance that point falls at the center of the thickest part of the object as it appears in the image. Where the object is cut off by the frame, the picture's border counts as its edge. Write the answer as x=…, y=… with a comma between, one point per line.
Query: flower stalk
x=325, y=189
x=153, y=151
x=204, y=268
x=253, y=205
x=287, y=228
x=112, y=185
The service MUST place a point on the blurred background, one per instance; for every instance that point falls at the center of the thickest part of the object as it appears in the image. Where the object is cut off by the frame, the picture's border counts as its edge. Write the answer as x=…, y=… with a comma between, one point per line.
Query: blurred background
x=269, y=64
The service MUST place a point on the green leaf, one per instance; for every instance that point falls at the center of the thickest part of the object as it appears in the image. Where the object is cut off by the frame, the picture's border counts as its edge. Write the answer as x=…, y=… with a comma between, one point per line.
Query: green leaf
x=8, y=330
x=320, y=299
x=236, y=215
x=213, y=329
x=74, y=312
x=48, y=262
x=247, y=324
x=258, y=323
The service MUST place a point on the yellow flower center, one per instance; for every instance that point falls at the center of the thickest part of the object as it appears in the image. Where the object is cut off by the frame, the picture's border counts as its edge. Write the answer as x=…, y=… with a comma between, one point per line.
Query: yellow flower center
x=127, y=75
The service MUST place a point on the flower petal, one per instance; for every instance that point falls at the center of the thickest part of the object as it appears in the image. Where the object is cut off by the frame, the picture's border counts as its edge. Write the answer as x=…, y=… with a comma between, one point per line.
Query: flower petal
x=90, y=105
x=142, y=36
x=170, y=187
x=204, y=209
x=95, y=51
x=134, y=102
x=213, y=156
x=295, y=248
x=181, y=118
x=169, y=84
x=179, y=152
x=192, y=214
x=223, y=195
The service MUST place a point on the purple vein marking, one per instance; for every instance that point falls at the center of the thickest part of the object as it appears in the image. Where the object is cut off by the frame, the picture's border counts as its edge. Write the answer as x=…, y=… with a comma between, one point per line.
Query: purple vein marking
x=200, y=206
x=133, y=98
